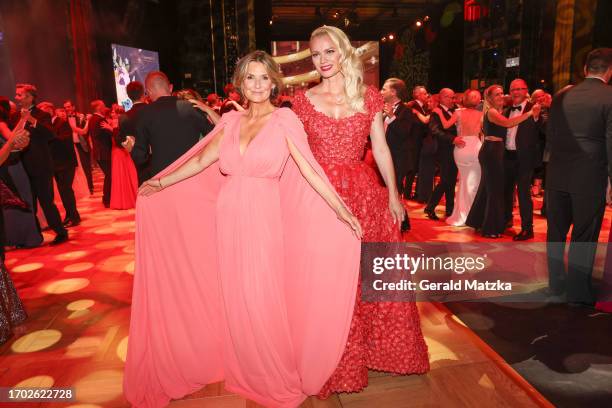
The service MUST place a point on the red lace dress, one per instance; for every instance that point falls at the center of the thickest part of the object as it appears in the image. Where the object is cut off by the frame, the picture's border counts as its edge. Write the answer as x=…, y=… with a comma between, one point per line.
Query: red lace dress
x=384, y=336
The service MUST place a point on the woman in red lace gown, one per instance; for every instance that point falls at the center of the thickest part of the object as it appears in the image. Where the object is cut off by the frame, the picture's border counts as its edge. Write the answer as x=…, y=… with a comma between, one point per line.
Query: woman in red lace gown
x=338, y=115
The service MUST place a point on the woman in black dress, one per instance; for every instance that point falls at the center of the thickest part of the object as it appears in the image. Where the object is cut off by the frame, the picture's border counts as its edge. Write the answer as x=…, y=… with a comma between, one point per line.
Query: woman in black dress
x=487, y=212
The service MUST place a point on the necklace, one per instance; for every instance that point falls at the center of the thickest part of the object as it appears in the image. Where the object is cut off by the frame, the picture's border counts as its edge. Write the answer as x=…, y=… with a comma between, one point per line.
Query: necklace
x=339, y=99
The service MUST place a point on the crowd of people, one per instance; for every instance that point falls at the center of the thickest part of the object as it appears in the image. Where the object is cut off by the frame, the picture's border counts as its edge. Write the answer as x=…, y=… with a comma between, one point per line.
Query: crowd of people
x=246, y=209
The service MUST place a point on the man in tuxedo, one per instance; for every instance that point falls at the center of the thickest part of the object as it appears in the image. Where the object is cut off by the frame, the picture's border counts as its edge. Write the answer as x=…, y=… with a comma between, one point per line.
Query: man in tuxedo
x=64, y=165
x=445, y=140
x=521, y=157
x=166, y=128
x=102, y=146
x=77, y=122
x=419, y=132
x=36, y=158
x=398, y=124
x=579, y=138
x=127, y=126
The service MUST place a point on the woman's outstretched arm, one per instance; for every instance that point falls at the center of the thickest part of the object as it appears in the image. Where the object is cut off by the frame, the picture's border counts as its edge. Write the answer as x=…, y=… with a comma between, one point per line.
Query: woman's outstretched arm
x=324, y=190
x=190, y=168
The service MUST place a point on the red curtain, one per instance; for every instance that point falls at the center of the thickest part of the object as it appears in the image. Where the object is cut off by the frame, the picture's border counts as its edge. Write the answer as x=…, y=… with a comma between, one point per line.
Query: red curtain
x=83, y=48
x=474, y=11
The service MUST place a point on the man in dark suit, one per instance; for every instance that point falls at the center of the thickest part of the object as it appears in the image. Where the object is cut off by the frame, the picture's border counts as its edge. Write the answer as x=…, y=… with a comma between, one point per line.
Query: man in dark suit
x=102, y=146
x=80, y=139
x=419, y=133
x=166, y=128
x=445, y=140
x=520, y=159
x=398, y=124
x=579, y=139
x=36, y=158
x=64, y=165
x=127, y=126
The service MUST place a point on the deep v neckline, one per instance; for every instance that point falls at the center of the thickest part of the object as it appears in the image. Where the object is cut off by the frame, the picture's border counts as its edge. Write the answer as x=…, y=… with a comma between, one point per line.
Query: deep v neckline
x=257, y=135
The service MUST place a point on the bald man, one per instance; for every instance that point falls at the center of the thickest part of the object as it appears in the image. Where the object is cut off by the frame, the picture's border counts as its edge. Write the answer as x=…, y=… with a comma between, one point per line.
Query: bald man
x=166, y=128
x=520, y=159
x=446, y=140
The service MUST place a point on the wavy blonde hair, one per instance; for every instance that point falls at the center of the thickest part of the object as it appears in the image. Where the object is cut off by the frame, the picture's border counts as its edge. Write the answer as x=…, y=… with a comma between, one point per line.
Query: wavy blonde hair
x=350, y=65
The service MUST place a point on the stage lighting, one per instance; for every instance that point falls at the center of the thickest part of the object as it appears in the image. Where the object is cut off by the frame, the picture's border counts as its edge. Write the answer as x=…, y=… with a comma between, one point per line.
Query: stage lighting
x=426, y=18
x=419, y=23
x=391, y=37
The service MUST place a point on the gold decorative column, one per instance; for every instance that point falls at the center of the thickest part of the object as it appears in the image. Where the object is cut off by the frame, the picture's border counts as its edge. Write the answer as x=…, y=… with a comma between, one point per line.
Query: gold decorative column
x=562, y=51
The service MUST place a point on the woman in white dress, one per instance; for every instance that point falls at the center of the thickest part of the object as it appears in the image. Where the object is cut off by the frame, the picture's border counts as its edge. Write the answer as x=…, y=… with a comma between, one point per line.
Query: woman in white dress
x=469, y=123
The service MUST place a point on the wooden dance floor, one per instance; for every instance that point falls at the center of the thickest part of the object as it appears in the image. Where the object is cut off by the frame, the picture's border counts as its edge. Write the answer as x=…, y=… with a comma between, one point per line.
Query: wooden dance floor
x=78, y=299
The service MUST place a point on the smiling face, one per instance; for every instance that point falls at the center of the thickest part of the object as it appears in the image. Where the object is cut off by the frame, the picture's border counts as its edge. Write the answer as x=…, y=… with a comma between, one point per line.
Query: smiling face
x=257, y=85
x=518, y=91
x=496, y=97
x=325, y=56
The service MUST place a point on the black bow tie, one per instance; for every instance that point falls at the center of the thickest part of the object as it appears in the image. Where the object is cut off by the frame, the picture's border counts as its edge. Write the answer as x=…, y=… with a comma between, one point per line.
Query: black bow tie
x=517, y=108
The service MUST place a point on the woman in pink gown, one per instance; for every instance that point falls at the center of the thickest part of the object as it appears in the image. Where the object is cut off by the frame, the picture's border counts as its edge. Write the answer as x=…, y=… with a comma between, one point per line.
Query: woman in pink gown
x=384, y=336
x=246, y=269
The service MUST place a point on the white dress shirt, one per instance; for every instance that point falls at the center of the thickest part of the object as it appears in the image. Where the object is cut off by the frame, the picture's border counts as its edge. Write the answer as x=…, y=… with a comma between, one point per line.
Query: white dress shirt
x=511, y=132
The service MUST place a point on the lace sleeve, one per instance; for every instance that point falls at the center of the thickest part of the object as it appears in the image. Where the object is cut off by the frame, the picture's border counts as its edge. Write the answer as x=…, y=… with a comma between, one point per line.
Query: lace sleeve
x=299, y=104
x=373, y=101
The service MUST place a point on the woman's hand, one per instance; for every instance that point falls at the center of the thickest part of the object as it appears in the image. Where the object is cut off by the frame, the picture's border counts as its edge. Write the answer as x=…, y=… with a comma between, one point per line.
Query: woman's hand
x=200, y=105
x=110, y=125
x=349, y=219
x=398, y=212
x=535, y=111
x=150, y=187
x=20, y=139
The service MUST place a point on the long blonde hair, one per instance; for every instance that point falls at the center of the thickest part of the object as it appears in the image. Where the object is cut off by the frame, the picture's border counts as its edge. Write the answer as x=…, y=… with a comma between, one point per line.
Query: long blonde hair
x=350, y=65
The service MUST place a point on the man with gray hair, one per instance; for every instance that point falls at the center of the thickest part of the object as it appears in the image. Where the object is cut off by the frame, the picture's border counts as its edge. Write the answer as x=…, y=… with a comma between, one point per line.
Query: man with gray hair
x=445, y=140
x=419, y=132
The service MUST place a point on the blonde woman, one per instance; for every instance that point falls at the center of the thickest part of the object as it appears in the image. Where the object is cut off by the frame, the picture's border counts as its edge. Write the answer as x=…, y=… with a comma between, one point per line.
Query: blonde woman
x=338, y=115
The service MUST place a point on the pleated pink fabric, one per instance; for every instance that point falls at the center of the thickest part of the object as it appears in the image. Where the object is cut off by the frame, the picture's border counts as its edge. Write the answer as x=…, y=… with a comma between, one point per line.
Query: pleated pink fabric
x=243, y=274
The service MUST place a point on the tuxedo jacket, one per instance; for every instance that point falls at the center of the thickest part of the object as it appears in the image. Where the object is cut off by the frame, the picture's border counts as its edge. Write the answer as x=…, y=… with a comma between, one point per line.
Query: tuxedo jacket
x=101, y=138
x=444, y=137
x=62, y=146
x=579, y=139
x=419, y=129
x=399, y=133
x=127, y=126
x=527, y=139
x=165, y=130
x=36, y=156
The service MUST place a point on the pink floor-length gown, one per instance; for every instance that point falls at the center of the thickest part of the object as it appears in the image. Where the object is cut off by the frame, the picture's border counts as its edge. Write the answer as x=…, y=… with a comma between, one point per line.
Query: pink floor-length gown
x=124, y=179
x=243, y=274
x=384, y=336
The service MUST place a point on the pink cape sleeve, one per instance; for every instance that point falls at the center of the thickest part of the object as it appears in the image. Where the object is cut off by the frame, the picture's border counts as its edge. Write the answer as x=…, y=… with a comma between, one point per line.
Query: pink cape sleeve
x=322, y=257
x=174, y=348
x=177, y=318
